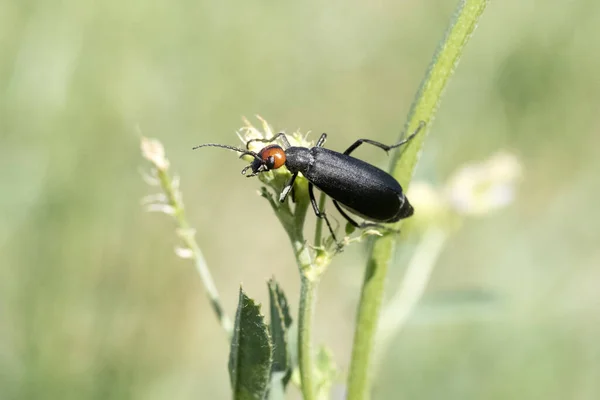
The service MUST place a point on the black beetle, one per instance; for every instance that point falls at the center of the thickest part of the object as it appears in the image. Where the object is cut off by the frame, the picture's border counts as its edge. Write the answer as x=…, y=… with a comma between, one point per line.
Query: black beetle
x=356, y=185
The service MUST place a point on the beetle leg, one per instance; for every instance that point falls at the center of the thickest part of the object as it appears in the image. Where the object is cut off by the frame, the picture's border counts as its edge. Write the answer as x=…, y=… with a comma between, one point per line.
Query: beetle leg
x=350, y=220
x=319, y=213
x=384, y=146
x=280, y=135
x=363, y=225
x=287, y=188
x=321, y=140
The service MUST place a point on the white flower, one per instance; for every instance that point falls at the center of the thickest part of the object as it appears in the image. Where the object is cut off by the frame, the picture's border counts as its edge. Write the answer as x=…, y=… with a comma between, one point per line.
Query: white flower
x=249, y=132
x=479, y=188
x=153, y=151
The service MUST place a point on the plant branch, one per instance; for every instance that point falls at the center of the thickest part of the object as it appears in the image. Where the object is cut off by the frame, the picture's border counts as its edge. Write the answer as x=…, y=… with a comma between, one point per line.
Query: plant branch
x=423, y=109
x=170, y=202
x=319, y=227
x=308, y=292
x=310, y=269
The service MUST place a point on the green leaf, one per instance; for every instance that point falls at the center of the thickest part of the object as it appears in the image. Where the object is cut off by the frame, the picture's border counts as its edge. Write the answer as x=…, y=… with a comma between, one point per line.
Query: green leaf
x=350, y=229
x=251, y=353
x=276, y=295
x=281, y=369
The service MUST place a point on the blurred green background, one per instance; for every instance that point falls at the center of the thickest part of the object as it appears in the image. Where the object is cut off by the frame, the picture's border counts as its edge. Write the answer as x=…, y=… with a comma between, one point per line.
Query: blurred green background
x=95, y=305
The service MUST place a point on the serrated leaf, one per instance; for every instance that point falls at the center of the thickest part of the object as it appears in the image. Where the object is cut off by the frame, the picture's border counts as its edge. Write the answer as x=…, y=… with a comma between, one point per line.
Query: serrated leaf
x=280, y=322
x=251, y=353
x=282, y=301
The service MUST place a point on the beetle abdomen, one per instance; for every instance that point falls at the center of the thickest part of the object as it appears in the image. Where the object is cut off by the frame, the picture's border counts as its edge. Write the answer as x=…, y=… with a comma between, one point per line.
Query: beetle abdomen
x=374, y=194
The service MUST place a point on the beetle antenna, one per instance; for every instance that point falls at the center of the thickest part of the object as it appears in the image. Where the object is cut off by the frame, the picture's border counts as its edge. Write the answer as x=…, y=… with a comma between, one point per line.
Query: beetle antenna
x=224, y=146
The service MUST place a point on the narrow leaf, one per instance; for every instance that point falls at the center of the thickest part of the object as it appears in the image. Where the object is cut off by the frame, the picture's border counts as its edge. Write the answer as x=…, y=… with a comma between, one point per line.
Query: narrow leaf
x=281, y=369
x=250, y=356
x=276, y=290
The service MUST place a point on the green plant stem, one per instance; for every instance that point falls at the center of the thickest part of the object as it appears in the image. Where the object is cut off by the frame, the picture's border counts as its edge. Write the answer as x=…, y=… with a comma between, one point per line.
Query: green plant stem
x=423, y=109
x=319, y=227
x=309, y=280
x=187, y=235
x=308, y=291
x=310, y=272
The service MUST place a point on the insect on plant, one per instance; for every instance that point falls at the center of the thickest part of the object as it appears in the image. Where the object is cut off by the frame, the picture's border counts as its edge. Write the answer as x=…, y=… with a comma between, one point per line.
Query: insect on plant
x=353, y=184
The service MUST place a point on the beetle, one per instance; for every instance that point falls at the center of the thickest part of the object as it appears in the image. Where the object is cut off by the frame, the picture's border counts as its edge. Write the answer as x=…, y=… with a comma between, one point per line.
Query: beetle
x=353, y=184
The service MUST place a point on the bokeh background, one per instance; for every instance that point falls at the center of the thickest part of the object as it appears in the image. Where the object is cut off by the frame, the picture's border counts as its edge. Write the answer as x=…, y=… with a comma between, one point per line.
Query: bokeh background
x=95, y=305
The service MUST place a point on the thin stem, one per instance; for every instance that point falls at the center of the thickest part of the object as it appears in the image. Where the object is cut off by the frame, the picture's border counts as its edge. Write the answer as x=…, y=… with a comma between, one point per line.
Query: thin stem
x=171, y=203
x=310, y=272
x=308, y=291
x=423, y=109
x=319, y=227
x=187, y=235
x=368, y=311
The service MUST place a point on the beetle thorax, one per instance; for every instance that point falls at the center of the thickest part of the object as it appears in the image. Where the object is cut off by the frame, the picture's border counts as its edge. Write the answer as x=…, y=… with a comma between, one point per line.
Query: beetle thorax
x=298, y=159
